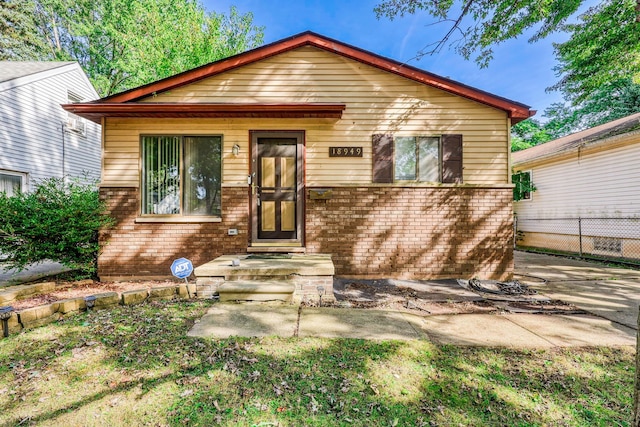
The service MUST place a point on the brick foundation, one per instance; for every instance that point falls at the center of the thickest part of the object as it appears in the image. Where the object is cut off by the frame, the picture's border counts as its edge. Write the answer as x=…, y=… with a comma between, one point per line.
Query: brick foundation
x=147, y=250
x=378, y=231
x=414, y=233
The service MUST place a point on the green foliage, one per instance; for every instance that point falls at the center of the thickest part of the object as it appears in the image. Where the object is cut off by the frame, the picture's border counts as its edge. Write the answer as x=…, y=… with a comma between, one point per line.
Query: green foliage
x=492, y=21
x=58, y=221
x=529, y=133
x=523, y=186
x=610, y=101
x=604, y=48
x=122, y=44
x=18, y=33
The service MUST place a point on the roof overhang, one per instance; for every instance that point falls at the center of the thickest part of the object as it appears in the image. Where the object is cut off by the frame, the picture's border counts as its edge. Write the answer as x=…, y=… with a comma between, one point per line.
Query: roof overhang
x=96, y=111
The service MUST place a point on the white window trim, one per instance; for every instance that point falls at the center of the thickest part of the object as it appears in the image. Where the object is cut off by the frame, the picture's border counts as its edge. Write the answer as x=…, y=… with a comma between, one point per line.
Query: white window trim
x=75, y=123
x=24, y=178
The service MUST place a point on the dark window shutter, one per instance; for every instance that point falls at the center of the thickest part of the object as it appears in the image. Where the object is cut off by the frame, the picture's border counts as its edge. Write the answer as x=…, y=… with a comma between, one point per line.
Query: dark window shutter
x=382, y=158
x=452, y=158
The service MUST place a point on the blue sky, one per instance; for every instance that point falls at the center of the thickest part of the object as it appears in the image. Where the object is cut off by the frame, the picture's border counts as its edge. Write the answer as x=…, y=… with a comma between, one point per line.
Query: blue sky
x=519, y=71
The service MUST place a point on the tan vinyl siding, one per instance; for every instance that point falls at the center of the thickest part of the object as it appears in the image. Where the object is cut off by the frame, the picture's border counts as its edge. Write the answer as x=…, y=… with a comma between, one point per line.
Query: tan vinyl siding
x=376, y=102
x=597, y=183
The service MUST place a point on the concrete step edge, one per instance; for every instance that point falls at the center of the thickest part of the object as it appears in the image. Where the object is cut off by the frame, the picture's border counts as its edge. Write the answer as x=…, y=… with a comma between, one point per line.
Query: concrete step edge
x=257, y=287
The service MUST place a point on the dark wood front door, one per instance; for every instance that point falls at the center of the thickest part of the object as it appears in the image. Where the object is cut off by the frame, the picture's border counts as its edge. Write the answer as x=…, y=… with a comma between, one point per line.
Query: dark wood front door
x=276, y=187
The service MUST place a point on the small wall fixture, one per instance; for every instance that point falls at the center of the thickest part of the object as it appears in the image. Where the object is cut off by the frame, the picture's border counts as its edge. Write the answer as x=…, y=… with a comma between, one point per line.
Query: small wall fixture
x=236, y=149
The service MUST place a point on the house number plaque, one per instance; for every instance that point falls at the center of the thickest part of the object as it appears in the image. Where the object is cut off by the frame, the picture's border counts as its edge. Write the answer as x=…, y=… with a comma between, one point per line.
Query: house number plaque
x=345, y=151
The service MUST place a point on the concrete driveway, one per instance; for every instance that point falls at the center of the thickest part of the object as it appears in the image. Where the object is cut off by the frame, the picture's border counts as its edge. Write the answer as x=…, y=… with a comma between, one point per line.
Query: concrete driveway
x=609, y=292
x=31, y=273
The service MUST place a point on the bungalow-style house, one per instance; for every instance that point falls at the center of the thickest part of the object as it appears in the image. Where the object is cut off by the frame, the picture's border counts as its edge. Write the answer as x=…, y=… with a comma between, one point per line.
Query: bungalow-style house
x=308, y=145
x=38, y=139
x=586, y=199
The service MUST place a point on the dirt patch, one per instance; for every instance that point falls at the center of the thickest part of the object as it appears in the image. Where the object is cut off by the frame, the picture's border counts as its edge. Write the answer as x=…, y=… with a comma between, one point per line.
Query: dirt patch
x=417, y=297
x=66, y=290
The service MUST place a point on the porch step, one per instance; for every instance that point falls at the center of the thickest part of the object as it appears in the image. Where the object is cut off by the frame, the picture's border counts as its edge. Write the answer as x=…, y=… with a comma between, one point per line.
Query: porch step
x=256, y=290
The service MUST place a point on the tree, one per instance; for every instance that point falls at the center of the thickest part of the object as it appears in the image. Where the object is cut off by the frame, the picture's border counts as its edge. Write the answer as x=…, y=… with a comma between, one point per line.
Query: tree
x=604, y=46
x=19, y=38
x=123, y=44
x=59, y=221
x=492, y=21
x=528, y=133
x=603, y=50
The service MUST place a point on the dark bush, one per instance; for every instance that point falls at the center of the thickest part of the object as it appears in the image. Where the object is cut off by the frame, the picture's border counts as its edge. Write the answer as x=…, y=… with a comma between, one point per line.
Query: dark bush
x=59, y=221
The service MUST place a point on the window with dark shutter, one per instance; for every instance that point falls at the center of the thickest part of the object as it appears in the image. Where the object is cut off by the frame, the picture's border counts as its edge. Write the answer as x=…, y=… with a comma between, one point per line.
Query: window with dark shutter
x=452, y=158
x=382, y=158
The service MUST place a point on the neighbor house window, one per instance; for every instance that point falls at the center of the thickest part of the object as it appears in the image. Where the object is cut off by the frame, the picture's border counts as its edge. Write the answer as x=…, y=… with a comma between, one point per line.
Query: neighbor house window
x=181, y=175
x=11, y=183
x=75, y=123
x=417, y=158
x=523, y=185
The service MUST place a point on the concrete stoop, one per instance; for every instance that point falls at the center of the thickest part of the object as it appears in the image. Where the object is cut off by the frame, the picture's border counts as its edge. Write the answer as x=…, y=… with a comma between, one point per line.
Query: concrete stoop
x=254, y=277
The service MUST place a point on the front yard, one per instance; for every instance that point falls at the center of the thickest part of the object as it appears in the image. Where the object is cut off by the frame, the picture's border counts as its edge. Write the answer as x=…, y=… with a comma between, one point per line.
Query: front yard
x=136, y=366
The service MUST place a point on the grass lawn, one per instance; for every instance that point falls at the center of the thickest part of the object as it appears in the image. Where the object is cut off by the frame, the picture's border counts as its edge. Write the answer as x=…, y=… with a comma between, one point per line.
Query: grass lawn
x=135, y=366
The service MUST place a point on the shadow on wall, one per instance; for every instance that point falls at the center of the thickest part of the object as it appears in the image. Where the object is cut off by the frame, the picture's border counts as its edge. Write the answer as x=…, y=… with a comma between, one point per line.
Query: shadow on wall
x=415, y=232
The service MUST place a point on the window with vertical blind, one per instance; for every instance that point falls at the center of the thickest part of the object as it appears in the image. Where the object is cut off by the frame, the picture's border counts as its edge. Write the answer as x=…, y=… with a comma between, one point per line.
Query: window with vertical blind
x=181, y=175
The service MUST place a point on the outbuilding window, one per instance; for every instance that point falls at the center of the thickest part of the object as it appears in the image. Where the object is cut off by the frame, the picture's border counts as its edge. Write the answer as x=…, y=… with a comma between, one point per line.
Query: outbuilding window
x=181, y=175
x=523, y=186
x=417, y=158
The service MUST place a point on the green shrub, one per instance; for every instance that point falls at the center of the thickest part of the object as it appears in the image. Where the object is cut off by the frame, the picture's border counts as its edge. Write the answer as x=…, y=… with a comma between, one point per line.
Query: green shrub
x=59, y=221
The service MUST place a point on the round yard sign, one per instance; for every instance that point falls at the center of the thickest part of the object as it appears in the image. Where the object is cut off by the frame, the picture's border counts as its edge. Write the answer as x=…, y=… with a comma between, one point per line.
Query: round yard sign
x=181, y=268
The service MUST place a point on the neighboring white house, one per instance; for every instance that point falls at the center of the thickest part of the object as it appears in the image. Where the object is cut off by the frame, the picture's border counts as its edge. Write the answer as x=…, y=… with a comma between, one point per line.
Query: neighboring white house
x=38, y=139
x=587, y=191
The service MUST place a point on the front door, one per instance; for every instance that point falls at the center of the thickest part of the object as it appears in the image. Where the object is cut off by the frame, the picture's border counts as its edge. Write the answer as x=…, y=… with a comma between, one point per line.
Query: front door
x=276, y=189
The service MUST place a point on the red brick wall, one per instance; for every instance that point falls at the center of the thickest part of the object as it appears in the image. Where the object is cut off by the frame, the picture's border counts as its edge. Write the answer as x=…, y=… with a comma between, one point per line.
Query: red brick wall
x=370, y=231
x=414, y=232
x=133, y=249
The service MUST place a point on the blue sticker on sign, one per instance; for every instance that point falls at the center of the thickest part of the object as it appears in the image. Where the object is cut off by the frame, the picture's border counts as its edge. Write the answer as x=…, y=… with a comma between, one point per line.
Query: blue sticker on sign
x=181, y=268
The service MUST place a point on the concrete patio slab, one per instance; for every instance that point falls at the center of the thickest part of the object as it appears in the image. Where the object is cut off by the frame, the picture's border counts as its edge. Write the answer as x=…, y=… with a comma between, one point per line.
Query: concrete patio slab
x=557, y=269
x=353, y=323
x=247, y=320
x=480, y=330
x=610, y=292
x=570, y=331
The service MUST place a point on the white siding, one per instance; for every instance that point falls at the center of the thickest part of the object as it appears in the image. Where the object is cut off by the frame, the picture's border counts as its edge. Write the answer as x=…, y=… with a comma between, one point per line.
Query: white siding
x=31, y=128
x=596, y=184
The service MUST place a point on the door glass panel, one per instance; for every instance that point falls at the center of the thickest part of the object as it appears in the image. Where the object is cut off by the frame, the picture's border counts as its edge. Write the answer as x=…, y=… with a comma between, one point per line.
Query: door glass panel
x=268, y=216
x=429, y=166
x=288, y=173
x=288, y=212
x=268, y=172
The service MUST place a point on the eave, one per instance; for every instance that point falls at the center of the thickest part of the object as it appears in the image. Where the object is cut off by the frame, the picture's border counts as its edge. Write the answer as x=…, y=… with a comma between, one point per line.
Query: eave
x=96, y=111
